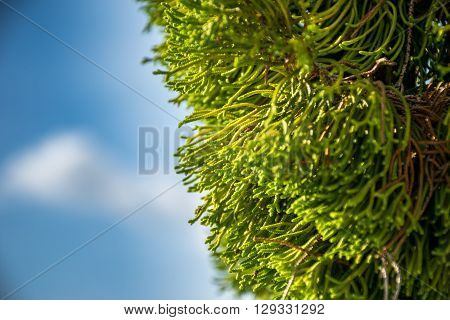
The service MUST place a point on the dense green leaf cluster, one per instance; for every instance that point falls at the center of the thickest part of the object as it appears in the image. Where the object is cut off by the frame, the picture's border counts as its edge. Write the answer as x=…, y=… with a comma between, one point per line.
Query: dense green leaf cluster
x=321, y=141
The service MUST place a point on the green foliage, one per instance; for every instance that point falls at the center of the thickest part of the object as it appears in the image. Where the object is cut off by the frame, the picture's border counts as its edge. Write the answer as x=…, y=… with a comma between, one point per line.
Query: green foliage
x=321, y=141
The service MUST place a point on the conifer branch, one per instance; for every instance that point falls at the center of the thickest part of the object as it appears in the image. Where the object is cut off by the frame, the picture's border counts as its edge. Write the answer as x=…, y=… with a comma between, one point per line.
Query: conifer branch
x=316, y=120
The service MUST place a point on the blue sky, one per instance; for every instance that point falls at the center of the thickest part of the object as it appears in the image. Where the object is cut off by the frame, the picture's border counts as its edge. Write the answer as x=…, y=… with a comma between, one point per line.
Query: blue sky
x=68, y=161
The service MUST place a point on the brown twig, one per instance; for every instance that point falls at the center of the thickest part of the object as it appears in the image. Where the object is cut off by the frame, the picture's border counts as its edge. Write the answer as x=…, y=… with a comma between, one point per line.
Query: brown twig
x=383, y=108
x=367, y=74
x=399, y=83
x=366, y=17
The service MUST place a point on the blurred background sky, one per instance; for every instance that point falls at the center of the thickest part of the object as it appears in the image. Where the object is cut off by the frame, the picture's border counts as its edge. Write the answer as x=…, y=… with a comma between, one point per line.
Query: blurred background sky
x=69, y=161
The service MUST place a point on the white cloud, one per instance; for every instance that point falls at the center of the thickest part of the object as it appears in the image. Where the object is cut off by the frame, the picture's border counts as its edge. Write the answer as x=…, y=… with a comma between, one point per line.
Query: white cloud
x=69, y=169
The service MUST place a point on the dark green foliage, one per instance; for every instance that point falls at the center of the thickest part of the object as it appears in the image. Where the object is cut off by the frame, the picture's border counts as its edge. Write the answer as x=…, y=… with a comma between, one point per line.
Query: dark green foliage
x=321, y=143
